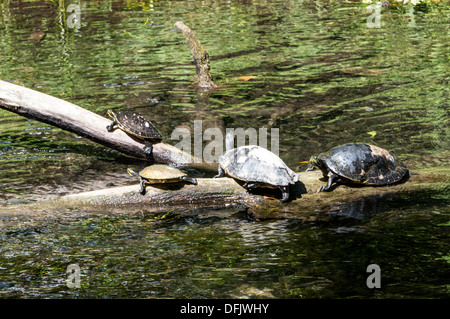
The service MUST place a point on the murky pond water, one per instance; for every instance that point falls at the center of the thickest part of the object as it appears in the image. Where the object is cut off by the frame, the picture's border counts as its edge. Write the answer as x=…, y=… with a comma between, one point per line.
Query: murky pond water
x=322, y=77
x=200, y=256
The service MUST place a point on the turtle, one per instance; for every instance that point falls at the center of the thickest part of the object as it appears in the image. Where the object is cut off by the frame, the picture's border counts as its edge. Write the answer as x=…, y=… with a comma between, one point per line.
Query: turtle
x=257, y=167
x=137, y=126
x=160, y=174
x=358, y=163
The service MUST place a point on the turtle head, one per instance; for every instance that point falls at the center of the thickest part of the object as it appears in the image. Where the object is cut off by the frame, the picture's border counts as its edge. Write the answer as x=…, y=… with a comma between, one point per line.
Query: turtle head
x=316, y=162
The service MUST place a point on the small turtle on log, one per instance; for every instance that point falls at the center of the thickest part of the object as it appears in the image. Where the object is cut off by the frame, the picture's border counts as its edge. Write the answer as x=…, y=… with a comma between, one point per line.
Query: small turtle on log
x=137, y=126
x=160, y=174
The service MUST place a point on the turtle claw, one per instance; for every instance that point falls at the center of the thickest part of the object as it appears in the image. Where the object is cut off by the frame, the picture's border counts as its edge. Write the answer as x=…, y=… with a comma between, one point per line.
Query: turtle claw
x=110, y=127
x=148, y=149
x=250, y=185
x=324, y=188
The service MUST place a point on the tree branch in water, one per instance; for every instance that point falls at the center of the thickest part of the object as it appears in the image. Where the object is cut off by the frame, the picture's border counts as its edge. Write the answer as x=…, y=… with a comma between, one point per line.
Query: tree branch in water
x=203, y=78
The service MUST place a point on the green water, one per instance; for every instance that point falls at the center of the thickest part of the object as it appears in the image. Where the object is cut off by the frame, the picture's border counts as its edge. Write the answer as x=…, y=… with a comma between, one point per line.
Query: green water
x=215, y=257
x=322, y=77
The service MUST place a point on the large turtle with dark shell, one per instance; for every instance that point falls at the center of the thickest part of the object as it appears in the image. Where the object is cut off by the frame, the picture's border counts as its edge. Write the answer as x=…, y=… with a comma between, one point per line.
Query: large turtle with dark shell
x=137, y=126
x=257, y=167
x=160, y=174
x=358, y=163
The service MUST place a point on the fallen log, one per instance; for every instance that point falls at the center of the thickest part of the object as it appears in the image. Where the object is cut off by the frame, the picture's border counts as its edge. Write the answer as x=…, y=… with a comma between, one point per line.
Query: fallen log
x=220, y=193
x=203, y=79
x=75, y=119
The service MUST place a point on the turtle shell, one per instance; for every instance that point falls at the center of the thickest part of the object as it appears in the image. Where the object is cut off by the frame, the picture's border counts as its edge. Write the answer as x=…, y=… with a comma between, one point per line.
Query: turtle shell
x=136, y=124
x=256, y=164
x=364, y=164
x=161, y=174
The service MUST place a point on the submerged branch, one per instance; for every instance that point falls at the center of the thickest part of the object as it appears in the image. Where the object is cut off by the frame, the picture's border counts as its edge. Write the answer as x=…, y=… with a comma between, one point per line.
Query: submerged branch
x=201, y=58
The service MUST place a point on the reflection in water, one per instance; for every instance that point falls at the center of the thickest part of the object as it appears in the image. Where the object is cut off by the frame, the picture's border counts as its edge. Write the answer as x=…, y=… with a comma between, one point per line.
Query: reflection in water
x=214, y=257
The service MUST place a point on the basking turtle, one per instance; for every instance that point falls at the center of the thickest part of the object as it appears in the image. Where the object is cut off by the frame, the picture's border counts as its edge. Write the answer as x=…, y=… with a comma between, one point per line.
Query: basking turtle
x=257, y=167
x=160, y=174
x=358, y=163
x=137, y=126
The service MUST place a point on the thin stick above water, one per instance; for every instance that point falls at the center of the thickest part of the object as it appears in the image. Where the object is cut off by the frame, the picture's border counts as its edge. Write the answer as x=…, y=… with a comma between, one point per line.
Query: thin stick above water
x=201, y=58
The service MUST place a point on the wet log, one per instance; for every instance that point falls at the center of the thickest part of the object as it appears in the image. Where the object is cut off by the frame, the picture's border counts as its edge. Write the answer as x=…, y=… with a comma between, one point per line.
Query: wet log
x=305, y=202
x=203, y=79
x=70, y=117
x=221, y=193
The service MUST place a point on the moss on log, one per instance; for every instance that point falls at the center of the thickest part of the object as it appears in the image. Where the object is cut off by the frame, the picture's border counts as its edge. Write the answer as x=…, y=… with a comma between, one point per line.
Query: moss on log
x=345, y=200
x=222, y=193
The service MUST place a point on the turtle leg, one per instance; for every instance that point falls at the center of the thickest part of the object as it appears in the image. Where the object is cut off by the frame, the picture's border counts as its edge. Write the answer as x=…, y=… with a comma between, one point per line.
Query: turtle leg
x=285, y=192
x=191, y=180
x=331, y=177
x=142, y=189
x=221, y=172
x=142, y=183
x=148, y=148
x=110, y=127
